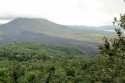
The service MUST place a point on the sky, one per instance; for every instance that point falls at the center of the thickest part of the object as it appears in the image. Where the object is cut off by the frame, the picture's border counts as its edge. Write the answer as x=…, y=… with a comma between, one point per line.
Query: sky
x=67, y=12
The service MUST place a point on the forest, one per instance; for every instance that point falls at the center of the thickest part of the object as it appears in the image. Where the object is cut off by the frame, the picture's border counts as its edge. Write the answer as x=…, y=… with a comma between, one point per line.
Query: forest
x=30, y=62
x=33, y=62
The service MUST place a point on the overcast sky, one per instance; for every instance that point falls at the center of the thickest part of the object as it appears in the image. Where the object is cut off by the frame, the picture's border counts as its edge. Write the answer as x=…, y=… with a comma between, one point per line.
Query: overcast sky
x=68, y=12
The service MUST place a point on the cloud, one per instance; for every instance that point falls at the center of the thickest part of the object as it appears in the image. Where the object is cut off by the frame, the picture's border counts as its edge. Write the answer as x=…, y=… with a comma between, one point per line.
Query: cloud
x=80, y=12
x=7, y=18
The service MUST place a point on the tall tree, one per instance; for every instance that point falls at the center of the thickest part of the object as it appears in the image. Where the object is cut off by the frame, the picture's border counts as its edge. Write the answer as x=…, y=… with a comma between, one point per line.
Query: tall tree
x=113, y=54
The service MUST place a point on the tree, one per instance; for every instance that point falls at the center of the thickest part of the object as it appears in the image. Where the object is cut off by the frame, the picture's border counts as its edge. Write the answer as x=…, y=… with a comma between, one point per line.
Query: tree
x=31, y=77
x=113, y=54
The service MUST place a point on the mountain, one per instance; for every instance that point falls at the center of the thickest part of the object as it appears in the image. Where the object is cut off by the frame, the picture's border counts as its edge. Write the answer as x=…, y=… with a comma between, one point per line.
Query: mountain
x=25, y=29
x=37, y=25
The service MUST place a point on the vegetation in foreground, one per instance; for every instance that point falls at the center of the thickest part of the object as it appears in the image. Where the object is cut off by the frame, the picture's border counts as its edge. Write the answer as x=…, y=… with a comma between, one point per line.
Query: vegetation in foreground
x=30, y=62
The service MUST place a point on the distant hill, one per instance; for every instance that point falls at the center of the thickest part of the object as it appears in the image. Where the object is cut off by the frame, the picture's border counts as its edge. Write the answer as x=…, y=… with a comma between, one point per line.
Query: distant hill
x=101, y=28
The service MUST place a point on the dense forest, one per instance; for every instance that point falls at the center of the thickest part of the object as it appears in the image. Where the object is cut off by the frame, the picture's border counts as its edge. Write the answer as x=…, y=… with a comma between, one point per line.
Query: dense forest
x=31, y=62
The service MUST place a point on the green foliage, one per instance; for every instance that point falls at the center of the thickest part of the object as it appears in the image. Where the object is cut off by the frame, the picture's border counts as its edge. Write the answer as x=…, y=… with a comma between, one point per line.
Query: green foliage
x=4, y=76
x=31, y=76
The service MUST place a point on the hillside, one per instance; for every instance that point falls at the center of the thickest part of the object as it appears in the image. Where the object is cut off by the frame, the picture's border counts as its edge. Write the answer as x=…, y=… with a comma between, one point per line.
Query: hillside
x=88, y=47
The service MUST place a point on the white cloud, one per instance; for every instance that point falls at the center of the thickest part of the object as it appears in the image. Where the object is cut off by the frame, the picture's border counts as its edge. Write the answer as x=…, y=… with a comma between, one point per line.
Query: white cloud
x=80, y=12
